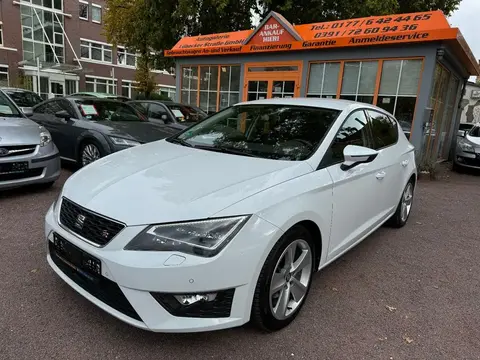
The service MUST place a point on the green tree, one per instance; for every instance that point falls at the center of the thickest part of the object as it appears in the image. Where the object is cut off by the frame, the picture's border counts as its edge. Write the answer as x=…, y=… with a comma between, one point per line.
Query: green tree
x=308, y=11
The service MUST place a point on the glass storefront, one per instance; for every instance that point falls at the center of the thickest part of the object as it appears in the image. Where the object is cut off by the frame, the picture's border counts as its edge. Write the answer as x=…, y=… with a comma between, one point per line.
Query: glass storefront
x=212, y=88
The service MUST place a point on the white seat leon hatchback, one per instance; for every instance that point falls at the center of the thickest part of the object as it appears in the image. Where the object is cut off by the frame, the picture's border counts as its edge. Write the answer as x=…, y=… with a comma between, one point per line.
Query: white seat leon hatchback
x=227, y=221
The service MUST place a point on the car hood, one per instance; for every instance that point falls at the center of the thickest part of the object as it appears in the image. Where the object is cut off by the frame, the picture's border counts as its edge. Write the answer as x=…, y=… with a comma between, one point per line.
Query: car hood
x=18, y=131
x=141, y=131
x=164, y=182
x=473, y=139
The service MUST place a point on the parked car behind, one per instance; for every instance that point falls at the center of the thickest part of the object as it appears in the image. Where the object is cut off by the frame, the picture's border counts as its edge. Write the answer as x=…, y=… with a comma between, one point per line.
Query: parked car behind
x=228, y=221
x=27, y=154
x=169, y=112
x=101, y=95
x=467, y=151
x=24, y=99
x=87, y=128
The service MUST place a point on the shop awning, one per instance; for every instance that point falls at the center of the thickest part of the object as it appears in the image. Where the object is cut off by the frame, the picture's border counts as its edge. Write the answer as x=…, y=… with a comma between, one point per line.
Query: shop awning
x=275, y=33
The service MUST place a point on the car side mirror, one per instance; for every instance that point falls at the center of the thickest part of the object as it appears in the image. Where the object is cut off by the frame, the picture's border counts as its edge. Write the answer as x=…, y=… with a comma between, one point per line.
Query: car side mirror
x=27, y=111
x=354, y=155
x=462, y=133
x=63, y=114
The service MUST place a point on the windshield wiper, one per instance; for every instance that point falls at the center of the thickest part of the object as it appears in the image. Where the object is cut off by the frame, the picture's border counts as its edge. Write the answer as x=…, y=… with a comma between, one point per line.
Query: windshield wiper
x=180, y=142
x=225, y=150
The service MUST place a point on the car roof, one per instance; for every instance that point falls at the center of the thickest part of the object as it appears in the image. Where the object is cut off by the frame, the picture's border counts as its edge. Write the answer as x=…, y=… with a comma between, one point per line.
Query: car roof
x=89, y=98
x=97, y=94
x=15, y=89
x=335, y=104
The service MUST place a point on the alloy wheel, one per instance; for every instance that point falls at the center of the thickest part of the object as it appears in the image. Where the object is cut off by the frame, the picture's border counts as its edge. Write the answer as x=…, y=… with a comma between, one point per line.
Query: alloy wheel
x=90, y=153
x=290, y=279
x=407, y=199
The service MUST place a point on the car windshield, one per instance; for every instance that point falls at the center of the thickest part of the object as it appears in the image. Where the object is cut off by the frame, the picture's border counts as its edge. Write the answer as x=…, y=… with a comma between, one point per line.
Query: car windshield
x=24, y=98
x=7, y=108
x=475, y=131
x=186, y=113
x=107, y=110
x=283, y=132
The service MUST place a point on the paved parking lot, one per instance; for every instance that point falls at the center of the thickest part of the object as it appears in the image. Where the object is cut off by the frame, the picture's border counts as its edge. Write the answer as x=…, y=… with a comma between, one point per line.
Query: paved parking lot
x=402, y=294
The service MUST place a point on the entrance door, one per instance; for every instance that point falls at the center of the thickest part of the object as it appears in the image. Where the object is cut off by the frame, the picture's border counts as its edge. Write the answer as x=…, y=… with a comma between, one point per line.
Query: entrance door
x=57, y=88
x=267, y=81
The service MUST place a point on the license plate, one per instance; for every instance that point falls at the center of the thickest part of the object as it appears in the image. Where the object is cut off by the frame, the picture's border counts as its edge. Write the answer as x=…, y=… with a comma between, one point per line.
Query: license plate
x=83, y=263
x=14, y=167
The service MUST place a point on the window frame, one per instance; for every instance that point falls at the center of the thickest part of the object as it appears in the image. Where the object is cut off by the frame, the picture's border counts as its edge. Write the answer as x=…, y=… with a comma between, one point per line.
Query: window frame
x=123, y=50
x=88, y=10
x=218, y=91
x=110, y=83
x=4, y=70
x=1, y=35
x=325, y=161
x=97, y=6
x=103, y=48
x=388, y=116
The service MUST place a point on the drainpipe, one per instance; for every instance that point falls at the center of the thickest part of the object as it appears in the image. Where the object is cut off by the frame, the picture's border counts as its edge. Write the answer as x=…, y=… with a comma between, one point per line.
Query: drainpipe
x=457, y=120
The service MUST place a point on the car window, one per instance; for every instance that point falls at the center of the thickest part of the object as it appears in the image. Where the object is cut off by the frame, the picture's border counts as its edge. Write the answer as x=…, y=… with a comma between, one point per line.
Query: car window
x=52, y=107
x=270, y=131
x=475, y=132
x=354, y=131
x=140, y=107
x=7, y=108
x=24, y=98
x=156, y=111
x=384, y=129
x=67, y=106
x=188, y=113
x=100, y=110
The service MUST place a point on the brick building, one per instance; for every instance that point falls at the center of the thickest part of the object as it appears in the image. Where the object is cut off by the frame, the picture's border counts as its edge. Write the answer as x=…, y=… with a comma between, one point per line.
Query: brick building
x=56, y=47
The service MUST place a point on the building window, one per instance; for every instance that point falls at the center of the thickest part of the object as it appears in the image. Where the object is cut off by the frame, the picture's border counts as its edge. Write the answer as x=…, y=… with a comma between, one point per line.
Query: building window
x=3, y=75
x=52, y=4
x=166, y=91
x=189, y=85
x=101, y=85
x=95, y=51
x=323, y=80
x=359, y=80
x=1, y=34
x=399, y=87
x=42, y=35
x=70, y=86
x=126, y=58
x=129, y=89
x=96, y=13
x=83, y=10
x=209, y=87
x=229, y=86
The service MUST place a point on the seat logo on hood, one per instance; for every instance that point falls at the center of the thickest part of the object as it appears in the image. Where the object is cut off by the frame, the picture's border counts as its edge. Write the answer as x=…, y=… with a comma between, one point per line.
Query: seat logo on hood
x=80, y=221
x=3, y=151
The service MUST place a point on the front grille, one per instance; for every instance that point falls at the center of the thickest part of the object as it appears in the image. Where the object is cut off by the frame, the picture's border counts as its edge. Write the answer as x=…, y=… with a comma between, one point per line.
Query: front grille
x=95, y=228
x=100, y=287
x=18, y=175
x=218, y=308
x=17, y=150
x=470, y=161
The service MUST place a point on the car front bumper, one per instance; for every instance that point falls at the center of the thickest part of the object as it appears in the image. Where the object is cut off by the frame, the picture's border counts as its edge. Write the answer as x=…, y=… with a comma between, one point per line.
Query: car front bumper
x=467, y=159
x=137, y=277
x=43, y=167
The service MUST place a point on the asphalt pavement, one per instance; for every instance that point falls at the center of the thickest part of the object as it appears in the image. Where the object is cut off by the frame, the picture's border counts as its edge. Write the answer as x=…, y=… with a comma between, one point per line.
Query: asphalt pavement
x=411, y=293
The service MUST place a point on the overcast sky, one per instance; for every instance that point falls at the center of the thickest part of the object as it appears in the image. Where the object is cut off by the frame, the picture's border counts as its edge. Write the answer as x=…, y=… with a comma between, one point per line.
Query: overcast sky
x=466, y=18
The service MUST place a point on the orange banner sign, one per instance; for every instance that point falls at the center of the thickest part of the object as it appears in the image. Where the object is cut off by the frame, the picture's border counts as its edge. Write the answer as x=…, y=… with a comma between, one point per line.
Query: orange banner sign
x=276, y=34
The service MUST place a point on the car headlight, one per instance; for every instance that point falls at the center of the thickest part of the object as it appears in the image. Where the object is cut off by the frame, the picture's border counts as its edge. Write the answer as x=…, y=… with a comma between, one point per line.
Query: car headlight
x=203, y=238
x=466, y=146
x=124, y=142
x=45, y=137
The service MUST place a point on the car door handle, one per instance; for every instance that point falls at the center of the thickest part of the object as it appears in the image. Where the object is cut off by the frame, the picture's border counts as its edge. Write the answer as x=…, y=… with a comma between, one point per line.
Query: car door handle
x=380, y=175
x=404, y=163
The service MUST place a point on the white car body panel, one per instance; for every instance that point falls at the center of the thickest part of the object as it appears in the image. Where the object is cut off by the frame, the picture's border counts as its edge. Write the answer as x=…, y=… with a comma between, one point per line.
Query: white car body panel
x=161, y=182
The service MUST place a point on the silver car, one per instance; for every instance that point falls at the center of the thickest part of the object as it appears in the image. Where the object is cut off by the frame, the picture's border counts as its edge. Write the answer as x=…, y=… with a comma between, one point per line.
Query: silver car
x=27, y=153
x=467, y=152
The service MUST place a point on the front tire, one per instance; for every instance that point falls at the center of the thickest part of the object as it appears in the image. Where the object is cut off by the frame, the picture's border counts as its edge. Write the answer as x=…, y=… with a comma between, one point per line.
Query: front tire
x=400, y=218
x=284, y=281
x=89, y=152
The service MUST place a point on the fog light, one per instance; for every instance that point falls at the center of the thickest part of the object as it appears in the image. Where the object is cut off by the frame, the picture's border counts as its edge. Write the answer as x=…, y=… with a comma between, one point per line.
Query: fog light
x=192, y=299
x=201, y=305
x=459, y=159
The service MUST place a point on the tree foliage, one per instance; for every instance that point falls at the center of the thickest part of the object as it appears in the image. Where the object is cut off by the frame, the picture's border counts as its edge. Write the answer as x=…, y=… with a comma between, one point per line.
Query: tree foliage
x=308, y=11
